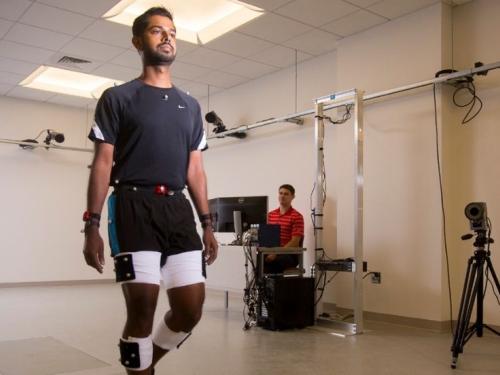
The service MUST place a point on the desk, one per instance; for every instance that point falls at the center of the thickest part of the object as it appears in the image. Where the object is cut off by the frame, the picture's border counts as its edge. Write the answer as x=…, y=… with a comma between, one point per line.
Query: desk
x=262, y=251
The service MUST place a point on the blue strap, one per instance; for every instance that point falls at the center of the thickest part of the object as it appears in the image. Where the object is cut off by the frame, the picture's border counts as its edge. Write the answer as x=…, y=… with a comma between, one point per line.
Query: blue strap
x=113, y=237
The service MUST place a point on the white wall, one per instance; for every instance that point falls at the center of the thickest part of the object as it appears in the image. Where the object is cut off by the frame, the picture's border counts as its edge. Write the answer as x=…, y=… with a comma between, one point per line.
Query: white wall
x=42, y=195
x=44, y=192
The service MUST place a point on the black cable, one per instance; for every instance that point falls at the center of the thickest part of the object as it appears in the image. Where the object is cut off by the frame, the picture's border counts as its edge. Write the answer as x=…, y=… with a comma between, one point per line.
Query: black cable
x=471, y=89
x=345, y=117
x=442, y=206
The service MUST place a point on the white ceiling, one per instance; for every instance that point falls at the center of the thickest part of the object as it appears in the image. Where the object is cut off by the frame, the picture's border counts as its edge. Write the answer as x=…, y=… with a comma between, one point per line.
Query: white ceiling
x=42, y=31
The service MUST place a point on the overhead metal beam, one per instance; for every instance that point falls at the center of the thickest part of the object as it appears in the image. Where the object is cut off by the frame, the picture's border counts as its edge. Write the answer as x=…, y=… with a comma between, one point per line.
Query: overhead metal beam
x=43, y=145
x=380, y=94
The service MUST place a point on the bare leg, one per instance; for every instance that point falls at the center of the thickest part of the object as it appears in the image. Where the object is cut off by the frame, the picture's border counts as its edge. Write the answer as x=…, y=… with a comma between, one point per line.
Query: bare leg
x=186, y=304
x=141, y=302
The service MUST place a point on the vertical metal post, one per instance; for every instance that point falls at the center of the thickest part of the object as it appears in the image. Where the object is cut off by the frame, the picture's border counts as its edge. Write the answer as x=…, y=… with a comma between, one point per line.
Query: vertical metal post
x=319, y=137
x=358, y=210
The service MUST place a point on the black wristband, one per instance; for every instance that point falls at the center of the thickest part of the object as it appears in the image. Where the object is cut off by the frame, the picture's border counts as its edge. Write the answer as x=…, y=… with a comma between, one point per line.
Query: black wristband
x=89, y=223
x=205, y=217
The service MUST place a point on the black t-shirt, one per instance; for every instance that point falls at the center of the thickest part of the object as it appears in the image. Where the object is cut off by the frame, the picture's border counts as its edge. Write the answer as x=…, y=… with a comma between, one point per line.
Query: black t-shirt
x=153, y=131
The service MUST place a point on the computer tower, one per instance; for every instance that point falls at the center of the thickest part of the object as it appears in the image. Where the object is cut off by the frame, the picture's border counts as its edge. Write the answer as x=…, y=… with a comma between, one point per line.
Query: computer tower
x=286, y=302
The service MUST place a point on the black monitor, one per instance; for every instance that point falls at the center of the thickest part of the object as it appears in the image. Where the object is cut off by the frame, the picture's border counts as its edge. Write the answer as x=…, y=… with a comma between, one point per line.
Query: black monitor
x=253, y=211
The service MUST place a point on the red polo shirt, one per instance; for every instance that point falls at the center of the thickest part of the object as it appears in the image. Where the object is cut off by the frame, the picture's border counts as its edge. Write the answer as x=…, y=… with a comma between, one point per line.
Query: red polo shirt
x=291, y=224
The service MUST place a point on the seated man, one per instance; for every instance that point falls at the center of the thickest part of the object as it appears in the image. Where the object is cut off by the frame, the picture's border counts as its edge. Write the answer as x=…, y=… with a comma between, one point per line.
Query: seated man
x=291, y=231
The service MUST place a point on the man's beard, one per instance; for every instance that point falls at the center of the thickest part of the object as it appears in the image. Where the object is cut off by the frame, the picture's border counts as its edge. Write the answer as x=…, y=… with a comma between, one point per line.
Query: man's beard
x=155, y=57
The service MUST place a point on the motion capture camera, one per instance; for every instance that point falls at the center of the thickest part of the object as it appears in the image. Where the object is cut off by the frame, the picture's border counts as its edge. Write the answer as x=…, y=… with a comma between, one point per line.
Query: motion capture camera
x=52, y=135
x=212, y=118
x=476, y=213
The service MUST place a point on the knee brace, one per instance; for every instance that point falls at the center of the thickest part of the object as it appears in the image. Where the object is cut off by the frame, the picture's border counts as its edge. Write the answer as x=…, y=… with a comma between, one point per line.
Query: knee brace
x=167, y=339
x=136, y=354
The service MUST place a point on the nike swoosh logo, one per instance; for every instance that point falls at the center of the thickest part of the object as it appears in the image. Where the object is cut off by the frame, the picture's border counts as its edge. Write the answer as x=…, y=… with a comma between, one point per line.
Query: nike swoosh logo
x=180, y=106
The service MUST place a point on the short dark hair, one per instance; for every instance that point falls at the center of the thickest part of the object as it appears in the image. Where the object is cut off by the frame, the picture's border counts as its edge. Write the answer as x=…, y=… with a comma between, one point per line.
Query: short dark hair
x=141, y=22
x=288, y=187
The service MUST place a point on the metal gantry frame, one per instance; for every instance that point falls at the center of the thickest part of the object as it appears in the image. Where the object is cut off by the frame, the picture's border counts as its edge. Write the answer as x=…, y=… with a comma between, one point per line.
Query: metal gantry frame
x=352, y=97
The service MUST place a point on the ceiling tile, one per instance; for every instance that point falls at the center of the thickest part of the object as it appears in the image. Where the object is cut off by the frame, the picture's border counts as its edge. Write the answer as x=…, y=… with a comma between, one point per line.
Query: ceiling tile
x=274, y=28
x=34, y=36
x=315, y=42
x=13, y=9
x=10, y=78
x=129, y=58
x=280, y=56
x=109, y=33
x=4, y=27
x=316, y=14
x=93, y=8
x=209, y=58
x=117, y=72
x=188, y=71
x=32, y=94
x=55, y=19
x=250, y=69
x=91, y=49
x=185, y=47
x=72, y=101
x=4, y=88
x=238, y=44
x=25, y=53
x=354, y=23
x=267, y=4
x=194, y=88
x=221, y=79
x=395, y=8
x=364, y=3
x=16, y=66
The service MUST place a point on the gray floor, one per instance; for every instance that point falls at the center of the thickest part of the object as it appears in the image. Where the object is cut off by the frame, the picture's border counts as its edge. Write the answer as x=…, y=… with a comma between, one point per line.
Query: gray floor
x=74, y=330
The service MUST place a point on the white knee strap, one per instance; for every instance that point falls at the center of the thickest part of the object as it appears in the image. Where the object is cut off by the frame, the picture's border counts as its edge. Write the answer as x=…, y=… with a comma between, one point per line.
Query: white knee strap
x=167, y=339
x=136, y=353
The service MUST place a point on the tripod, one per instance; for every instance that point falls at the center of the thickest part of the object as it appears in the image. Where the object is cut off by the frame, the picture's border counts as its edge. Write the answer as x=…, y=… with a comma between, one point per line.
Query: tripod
x=473, y=292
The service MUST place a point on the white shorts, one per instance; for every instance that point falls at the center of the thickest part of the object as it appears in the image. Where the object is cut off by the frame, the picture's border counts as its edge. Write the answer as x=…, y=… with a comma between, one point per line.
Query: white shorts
x=179, y=270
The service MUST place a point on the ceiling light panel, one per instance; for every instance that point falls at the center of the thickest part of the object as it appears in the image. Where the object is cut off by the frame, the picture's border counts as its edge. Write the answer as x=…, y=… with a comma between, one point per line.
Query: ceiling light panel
x=68, y=82
x=197, y=21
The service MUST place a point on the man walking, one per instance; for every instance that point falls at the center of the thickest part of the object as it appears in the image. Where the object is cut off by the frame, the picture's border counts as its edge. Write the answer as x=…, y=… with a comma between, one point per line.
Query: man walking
x=148, y=139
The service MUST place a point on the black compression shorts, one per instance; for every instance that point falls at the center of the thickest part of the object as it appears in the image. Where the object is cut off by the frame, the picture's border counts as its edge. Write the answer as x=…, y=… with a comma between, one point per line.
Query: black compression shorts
x=142, y=220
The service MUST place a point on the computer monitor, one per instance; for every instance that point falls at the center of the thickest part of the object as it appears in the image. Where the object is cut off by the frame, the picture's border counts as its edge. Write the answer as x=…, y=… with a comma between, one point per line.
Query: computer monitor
x=253, y=211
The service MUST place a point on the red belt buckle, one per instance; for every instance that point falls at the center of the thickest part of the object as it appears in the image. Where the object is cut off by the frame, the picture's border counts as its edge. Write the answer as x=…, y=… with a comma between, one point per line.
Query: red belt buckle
x=161, y=190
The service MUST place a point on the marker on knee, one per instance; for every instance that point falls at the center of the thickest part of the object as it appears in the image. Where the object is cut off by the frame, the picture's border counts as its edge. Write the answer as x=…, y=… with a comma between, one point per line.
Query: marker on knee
x=167, y=339
x=136, y=353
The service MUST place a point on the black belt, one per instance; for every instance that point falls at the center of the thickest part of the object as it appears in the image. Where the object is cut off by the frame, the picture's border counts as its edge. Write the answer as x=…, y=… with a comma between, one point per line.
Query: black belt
x=157, y=189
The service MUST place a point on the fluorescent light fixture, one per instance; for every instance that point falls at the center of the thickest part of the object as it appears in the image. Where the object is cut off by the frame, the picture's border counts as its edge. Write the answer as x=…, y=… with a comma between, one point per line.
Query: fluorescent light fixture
x=68, y=82
x=197, y=21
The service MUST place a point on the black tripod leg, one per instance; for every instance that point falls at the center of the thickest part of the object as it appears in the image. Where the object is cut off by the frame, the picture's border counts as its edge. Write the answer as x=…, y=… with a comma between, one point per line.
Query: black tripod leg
x=489, y=267
x=466, y=305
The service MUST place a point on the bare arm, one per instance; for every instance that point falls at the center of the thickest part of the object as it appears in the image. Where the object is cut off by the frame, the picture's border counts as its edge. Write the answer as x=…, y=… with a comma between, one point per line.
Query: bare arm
x=197, y=187
x=294, y=242
x=96, y=194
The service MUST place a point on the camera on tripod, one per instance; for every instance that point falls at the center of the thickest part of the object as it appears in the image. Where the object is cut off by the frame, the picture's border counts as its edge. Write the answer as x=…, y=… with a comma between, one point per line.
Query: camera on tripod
x=476, y=213
x=477, y=276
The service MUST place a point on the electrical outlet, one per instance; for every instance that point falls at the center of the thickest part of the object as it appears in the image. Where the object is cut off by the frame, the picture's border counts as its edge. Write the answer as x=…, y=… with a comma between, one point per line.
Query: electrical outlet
x=376, y=278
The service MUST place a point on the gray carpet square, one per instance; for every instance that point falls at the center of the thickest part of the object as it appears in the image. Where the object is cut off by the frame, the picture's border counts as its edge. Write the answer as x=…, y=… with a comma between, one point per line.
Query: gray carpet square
x=43, y=356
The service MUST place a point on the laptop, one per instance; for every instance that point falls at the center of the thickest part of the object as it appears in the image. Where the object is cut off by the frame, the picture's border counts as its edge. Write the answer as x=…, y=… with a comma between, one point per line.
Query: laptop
x=269, y=235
